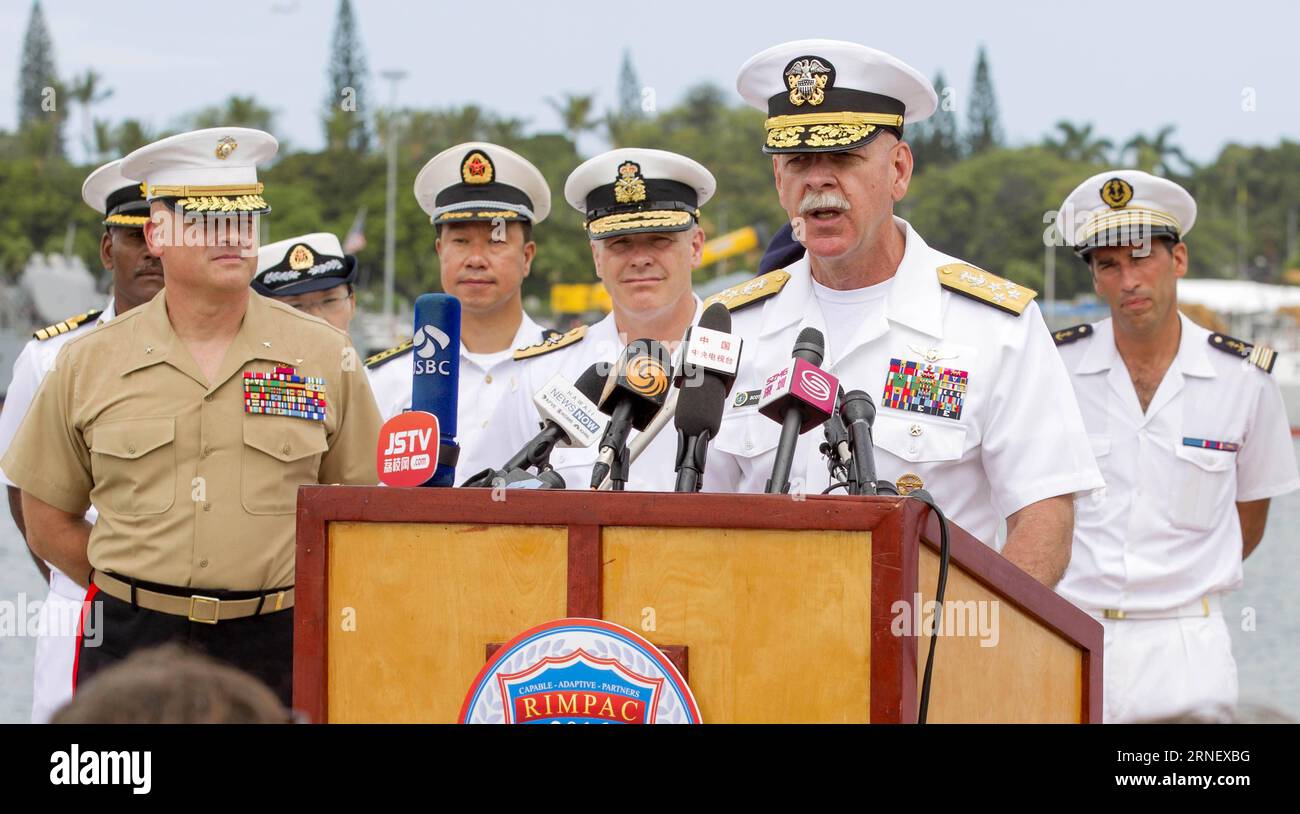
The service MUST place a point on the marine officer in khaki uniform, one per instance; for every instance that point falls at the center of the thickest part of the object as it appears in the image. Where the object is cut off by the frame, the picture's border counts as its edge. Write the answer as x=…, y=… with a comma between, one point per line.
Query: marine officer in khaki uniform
x=190, y=422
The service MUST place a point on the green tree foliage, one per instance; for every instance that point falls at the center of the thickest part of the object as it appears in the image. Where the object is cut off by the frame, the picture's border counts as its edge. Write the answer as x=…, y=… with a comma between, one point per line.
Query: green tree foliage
x=983, y=128
x=41, y=116
x=343, y=115
x=237, y=111
x=1157, y=153
x=936, y=141
x=1076, y=142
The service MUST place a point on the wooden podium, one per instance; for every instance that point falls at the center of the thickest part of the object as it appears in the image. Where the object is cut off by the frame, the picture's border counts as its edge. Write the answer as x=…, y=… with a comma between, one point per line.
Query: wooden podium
x=786, y=610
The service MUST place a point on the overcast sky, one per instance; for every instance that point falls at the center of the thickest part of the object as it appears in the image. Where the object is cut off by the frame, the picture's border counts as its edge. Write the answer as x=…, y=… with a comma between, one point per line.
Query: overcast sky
x=1127, y=67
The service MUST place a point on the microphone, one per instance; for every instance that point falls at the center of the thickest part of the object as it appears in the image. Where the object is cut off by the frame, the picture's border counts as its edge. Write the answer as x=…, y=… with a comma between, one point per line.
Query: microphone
x=634, y=392
x=799, y=396
x=435, y=381
x=859, y=413
x=837, y=448
x=710, y=359
x=570, y=418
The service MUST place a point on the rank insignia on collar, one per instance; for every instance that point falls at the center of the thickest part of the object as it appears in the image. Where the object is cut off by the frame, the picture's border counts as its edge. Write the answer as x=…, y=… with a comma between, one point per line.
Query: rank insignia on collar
x=1116, y=193
x=629, y=187
x=477, y=169
x=921, y=387
x=286, y=393
x=808, y=78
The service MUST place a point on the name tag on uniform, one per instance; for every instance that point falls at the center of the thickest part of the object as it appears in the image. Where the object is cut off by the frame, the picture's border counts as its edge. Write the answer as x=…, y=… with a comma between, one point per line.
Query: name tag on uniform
x=1202, y=443
x=285, y=393
x=924, y=387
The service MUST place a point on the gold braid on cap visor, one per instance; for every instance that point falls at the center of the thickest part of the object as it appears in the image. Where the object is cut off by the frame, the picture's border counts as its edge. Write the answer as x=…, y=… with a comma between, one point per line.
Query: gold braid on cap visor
x=230, y=198
x=825, y=129
x=126, y=220
x=1129, y=216
x=651, y=219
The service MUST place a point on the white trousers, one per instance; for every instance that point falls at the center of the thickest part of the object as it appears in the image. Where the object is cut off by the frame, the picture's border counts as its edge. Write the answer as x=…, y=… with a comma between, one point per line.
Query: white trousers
x=56, y=647
x=1164, y=668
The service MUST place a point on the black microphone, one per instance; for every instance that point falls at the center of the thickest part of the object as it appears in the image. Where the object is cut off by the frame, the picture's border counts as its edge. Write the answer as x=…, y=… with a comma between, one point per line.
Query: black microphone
x=710, y=358
x=570, y=418
x=837, y=448
x=799, y=396
x=859, y=413
x=634, y=392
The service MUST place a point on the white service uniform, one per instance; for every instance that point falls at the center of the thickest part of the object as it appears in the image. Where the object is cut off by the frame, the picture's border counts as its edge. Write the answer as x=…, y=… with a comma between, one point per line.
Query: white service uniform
x=652, y=471
x=485, y=380
x=1017, y=438
x=56, y=642
x=1162, y=542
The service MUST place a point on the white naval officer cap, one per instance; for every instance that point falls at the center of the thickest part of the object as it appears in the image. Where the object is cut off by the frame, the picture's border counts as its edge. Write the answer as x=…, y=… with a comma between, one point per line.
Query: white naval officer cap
x=632, y=190
x=116, y=197
x=478, y=181
x=831, y=95
x=1124, y=207
x=212, y=170
x=297, y=265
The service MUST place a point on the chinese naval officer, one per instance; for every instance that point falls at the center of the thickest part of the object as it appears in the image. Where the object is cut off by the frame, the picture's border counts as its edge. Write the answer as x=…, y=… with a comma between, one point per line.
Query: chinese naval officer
x=642, y=214
x=973, y=402
x=189, y=423
x=1192, y=438
x=310, y=273
x=483, y=201
x=137, y=277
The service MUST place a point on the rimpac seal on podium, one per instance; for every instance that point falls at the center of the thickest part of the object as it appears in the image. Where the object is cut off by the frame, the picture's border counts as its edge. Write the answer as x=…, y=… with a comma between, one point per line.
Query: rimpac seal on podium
x=579, y=671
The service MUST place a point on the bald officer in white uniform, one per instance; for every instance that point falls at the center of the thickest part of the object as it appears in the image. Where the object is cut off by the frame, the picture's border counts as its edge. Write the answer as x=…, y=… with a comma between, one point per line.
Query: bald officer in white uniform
x=1192, y=438
x=137, y=277
x=483, y=200
x=642, y=210
x=972, y=401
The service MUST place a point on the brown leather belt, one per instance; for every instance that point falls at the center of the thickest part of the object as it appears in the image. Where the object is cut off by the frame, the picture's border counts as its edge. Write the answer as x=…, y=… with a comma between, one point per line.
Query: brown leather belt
x=207, y=610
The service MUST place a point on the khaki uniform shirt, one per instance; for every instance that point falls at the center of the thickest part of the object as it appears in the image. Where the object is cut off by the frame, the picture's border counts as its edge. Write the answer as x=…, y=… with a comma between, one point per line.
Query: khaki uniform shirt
x=192, y=490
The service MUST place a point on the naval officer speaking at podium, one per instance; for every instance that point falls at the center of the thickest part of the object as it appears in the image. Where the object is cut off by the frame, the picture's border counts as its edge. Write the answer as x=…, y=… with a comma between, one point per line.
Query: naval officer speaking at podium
x=973, y=401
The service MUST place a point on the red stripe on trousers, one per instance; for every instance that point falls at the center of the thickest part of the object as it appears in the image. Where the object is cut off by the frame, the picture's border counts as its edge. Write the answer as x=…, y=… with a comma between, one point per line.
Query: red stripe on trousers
x=81, y=631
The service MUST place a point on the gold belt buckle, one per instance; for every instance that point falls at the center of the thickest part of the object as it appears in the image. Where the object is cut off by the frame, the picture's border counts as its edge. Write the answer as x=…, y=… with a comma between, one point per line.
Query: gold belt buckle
x=205, y=602
x=1111, y=613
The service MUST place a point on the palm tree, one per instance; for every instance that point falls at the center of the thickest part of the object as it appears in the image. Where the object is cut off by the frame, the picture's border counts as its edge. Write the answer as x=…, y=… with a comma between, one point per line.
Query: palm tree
x=242, y=111
x=1158, y=154
x=88, y=90
x=1076, y=143
x=577, y=112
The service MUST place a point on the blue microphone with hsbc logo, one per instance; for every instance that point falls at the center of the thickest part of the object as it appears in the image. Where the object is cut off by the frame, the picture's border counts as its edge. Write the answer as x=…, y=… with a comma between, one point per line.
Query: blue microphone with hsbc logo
x=436, y=376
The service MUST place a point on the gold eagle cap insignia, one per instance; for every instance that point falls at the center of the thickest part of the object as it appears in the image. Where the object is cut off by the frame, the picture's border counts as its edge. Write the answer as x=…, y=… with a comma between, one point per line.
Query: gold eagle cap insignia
x=808, y=79
x=225, y=146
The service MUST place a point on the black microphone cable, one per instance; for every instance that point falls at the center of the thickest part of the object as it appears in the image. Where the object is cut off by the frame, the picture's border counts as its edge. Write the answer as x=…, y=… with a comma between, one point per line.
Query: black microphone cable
x=926, y=498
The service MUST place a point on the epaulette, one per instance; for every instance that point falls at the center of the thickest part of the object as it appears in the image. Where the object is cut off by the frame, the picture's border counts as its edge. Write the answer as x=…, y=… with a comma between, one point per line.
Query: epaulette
x=384, y=355
x=969, y=281
x=554, y=342
x=1261, y=356
x=66, y=325
x=1067, y=335
x=750, y=291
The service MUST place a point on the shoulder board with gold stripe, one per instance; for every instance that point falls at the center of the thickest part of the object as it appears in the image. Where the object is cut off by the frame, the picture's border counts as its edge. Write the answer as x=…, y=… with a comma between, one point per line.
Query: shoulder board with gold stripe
x=750, y=291
x=71, y=323
x=555, y=342
x=384, y=355
x=990, y=289
x=1261, y=356
x=1067, y=335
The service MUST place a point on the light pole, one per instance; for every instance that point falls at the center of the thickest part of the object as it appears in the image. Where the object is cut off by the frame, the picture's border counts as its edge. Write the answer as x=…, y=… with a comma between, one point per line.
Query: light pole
x=390, y=228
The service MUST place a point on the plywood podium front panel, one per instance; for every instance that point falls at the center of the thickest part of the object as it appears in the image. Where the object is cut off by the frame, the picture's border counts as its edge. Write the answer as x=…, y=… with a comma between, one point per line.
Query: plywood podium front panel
x=778, y=623
x=424, y=600
x=994, y=669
